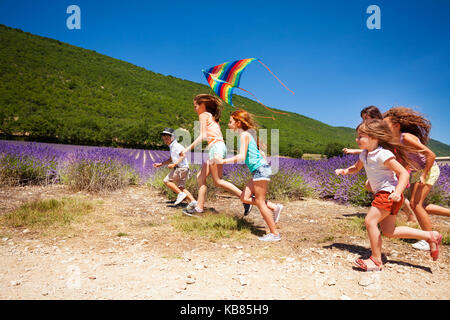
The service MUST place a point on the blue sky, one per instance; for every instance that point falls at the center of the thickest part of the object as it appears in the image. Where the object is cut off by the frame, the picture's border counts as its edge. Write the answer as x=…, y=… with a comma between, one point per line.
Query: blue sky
x=322, y=50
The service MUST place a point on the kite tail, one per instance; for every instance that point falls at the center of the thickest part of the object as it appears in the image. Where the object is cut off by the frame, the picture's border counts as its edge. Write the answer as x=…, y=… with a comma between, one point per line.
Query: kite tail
x=275, y=76
x=263, y=105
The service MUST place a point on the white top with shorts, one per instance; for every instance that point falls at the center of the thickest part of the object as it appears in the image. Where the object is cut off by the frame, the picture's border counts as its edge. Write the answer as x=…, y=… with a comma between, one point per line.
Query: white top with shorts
x=380, y=177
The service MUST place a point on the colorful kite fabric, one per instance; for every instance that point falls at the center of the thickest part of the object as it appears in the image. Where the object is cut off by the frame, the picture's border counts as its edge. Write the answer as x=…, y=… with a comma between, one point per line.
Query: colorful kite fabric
x=226, y=76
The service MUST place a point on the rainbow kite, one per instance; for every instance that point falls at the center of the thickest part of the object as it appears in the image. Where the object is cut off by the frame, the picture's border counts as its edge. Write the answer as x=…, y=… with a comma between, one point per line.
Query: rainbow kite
x=224, y=77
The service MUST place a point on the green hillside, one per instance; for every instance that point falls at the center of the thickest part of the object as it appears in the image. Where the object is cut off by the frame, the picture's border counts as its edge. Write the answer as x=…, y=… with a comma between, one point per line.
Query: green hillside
x=52, y=91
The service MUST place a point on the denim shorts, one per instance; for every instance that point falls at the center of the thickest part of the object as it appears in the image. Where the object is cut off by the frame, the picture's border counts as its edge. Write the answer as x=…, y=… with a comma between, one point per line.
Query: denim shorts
x=262, y=173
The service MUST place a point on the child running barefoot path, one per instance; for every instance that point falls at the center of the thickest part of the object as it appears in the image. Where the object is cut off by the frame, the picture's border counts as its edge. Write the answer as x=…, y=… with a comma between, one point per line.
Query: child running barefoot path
x=382, y=169
x=208, y=110
x=241, y=121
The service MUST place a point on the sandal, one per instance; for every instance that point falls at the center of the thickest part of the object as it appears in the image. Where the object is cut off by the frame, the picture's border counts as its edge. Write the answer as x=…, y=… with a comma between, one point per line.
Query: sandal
x=435, y=253
x=362, y=265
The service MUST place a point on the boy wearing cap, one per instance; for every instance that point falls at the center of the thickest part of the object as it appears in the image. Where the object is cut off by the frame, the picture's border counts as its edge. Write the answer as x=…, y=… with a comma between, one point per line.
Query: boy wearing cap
x=177, y=177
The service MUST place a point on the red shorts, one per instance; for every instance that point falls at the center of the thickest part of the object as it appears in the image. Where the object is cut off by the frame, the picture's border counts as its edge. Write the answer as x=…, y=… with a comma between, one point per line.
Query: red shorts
x=381, y=201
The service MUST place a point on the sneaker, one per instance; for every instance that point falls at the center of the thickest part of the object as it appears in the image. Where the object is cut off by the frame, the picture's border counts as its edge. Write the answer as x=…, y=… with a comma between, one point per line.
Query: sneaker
x=191, y=212
x=191, y=205
x=270, y=237
x=421, y=245
x=247, y=208
x=277, y=212
x=181, y=196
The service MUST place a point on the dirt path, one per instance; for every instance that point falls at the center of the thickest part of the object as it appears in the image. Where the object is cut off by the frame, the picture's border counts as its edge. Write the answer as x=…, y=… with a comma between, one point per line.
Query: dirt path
x=152, y=260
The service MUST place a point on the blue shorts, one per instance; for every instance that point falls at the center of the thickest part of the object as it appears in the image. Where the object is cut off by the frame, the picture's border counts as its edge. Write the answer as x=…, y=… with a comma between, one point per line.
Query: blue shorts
x=262, y=173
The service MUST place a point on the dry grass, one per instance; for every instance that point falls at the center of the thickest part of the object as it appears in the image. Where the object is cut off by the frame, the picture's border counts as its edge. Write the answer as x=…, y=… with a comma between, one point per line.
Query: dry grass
x=45, y=213
x=213, y=226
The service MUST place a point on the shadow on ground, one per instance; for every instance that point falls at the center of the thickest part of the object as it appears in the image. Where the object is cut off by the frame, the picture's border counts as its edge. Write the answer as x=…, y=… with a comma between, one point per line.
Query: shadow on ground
x=365, y=254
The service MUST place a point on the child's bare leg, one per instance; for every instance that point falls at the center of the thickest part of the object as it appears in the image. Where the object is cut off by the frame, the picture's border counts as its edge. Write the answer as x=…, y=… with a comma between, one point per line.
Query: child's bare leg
x=390, y=230
x=419, y=193
x=249, y=191
x=437, y=210
x=216, y=172
x=202, y=188
x=374, y=216
x=409, y=211
x=172, y=186
x=260, y=195
x=189, y=196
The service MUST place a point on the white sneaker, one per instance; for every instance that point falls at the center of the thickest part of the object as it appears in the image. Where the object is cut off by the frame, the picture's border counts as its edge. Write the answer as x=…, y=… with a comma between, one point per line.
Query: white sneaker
x=191, y=205
x=277, y=212
x=421, y=245
x=181, y=196
x=270, y=237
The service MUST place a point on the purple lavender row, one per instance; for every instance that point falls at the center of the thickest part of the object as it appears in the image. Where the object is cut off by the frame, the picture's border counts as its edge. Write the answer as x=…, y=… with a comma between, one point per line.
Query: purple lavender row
x=316, y=175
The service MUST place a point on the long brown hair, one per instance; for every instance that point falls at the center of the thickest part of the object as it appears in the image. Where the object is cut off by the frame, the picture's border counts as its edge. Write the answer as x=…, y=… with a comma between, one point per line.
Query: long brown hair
x=246, y=122
x=213, y=104
x=378, y=129
x=372, y=111
x=410, y=121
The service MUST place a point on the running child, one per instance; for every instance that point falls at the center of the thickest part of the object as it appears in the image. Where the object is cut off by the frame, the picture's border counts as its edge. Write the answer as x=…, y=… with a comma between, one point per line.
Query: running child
x=382, y=168
x=177, y=177
x=412, y=129
x=208, y=108
x=241, y=121
x=368, y=113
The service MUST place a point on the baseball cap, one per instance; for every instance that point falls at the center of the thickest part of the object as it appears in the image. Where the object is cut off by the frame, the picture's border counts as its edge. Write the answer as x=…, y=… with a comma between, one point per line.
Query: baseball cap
x=168, y=131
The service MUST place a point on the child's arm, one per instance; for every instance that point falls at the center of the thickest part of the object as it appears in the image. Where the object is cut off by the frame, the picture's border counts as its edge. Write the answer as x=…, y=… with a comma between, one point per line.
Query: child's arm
x=350, y=170
x=244, y=140
x=157, y=165
x=403, y=178
x=173, y=165
x=263, y=154
x=352, y=151
x=414, y=142
x=202, y=117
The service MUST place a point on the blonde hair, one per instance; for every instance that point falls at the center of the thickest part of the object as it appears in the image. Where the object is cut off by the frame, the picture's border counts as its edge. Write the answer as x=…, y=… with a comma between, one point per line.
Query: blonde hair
x=410, y=121
x=212, y=104
x=378, y=129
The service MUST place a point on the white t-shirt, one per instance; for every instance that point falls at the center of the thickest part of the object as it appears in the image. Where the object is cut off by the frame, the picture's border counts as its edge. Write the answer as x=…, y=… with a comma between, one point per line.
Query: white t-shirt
x=175, y=149
x=380, y=177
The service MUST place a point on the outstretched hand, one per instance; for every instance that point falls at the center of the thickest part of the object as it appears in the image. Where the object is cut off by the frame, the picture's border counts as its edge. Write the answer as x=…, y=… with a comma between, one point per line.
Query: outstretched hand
x=341, y=171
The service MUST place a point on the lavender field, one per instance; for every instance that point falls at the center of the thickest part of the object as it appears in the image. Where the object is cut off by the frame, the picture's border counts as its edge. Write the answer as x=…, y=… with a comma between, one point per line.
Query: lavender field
x=101, y=168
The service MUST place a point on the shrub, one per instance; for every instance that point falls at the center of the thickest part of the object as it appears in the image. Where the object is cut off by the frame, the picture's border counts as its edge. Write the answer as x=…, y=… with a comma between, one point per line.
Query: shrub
x=98, y=170
x=28, y=164
x=333, y=149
